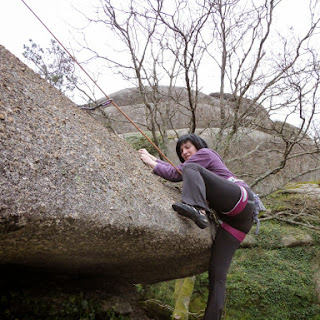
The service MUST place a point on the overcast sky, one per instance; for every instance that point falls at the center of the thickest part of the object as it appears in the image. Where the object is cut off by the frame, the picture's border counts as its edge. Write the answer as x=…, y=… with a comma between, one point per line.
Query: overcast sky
x=18, y=25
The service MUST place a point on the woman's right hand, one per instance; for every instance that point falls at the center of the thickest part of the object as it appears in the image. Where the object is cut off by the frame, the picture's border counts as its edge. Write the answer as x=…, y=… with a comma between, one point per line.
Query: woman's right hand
x=147, y=158
x=146, y=153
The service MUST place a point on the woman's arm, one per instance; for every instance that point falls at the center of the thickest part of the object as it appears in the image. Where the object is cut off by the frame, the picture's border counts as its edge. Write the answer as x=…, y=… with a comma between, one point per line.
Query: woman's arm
x=160, y=168
x=167, y=171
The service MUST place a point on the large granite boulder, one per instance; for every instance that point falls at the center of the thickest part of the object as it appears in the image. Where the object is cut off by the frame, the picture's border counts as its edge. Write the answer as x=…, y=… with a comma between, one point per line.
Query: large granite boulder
x=75, y=198
x=175, y=102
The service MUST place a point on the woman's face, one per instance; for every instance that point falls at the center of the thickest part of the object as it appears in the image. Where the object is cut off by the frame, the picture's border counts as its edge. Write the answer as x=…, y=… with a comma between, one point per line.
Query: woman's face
x=187, y=150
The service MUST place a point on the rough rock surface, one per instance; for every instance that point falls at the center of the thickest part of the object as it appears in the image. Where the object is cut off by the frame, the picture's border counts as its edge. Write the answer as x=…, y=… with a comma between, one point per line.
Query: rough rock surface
x=311, y=189
x=292, y=241
x=76, y=198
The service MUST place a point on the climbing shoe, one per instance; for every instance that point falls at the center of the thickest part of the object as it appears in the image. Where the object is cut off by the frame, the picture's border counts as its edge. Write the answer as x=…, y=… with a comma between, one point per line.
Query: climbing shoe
x=193, y=213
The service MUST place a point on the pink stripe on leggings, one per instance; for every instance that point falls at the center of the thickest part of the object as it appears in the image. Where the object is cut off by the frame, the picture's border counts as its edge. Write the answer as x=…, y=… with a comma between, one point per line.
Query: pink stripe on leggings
x=236, y=233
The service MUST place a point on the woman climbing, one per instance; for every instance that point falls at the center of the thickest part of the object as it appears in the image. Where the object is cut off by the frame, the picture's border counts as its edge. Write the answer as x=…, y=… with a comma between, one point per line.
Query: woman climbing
x=209, y=184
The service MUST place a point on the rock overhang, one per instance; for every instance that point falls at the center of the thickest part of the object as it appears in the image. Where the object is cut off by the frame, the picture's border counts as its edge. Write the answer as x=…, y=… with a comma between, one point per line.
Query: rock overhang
x=76, y=198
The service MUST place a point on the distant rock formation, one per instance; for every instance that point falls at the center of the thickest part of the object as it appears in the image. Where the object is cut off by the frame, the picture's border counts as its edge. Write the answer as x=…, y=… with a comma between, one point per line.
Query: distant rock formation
x=176, y=101
x=256, y=149
x=75, y=198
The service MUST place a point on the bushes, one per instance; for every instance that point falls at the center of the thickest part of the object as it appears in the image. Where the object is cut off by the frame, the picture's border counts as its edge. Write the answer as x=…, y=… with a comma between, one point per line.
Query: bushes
x=272, y=284
x=137, y=141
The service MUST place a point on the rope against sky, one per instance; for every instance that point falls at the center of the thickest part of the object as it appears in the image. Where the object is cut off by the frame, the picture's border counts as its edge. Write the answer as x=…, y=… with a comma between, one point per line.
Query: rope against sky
x=95, y=83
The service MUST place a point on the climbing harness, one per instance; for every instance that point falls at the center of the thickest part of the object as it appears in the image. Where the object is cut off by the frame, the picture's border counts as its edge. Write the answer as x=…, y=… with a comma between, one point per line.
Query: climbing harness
x=95, y=83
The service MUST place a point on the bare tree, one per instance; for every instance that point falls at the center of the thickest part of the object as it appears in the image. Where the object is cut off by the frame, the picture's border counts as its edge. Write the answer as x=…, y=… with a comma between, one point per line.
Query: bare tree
x=187, y=22
x=164, y=42
x=283, y=79
x=158, y=47
x=134, y=26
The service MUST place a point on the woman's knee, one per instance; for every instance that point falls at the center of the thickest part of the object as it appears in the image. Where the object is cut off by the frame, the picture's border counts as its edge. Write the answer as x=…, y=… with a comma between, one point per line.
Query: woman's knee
x=191, y=166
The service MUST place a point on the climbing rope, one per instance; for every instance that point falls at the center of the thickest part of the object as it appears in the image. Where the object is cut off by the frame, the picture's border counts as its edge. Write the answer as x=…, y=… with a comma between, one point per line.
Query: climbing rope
x=110, y=101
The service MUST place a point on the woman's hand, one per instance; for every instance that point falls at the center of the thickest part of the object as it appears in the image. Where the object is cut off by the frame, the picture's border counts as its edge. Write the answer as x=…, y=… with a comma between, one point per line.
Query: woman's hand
x=147, y=158
x=145, y=152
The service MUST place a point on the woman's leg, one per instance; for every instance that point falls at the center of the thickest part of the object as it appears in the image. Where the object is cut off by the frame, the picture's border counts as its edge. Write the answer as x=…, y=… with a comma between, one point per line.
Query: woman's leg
x=201, y=185
x=222, y=252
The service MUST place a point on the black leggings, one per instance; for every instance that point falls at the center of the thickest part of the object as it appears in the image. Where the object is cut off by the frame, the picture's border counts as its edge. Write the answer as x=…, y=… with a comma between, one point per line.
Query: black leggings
x=204, y=189
x=222, y=251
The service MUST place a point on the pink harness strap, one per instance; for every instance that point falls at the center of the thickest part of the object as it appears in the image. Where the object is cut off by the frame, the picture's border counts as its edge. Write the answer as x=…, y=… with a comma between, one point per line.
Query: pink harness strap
x=240, y=205
x=239, y=235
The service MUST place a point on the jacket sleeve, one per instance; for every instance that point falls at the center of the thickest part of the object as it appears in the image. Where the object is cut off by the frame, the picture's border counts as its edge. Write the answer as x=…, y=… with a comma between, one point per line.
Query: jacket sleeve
x=167, y=171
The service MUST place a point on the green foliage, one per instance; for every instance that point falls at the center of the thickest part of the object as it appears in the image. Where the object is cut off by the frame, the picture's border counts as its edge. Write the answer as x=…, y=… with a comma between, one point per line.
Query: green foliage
x=272, y=284
x=162, y=291
x=271, y=232
x=296, y=208
x=288, y=200
x=138, y=141
x=262, y=284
